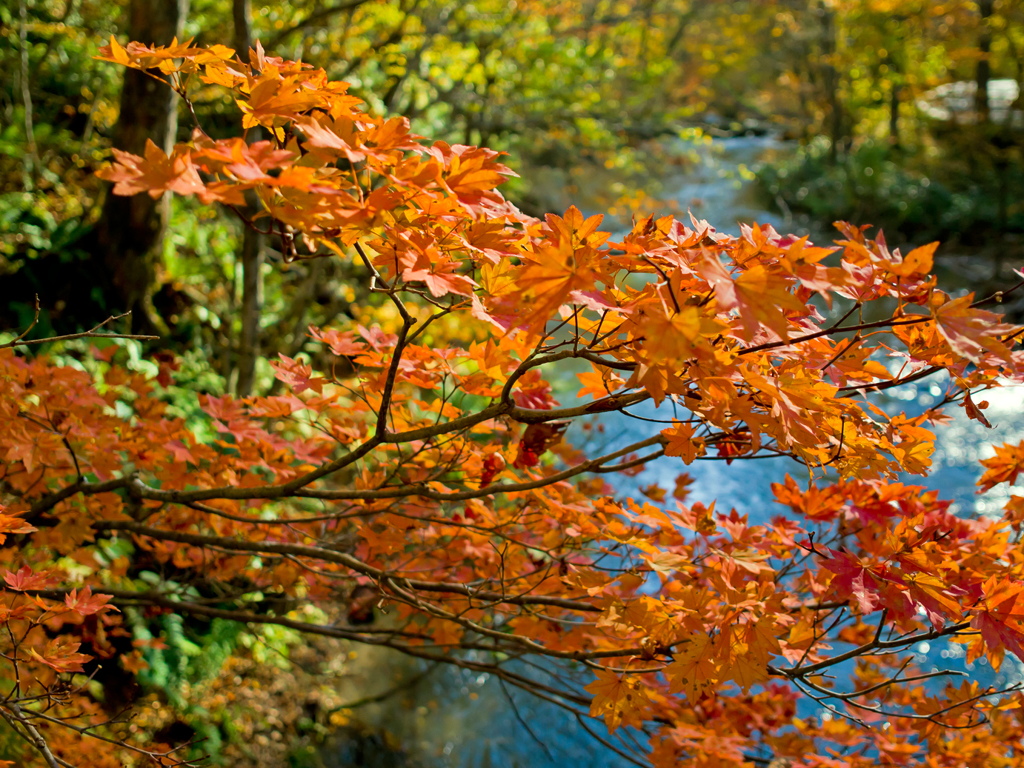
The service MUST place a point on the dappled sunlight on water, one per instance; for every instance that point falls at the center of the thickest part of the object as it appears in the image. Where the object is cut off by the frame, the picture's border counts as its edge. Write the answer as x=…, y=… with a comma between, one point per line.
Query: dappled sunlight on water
x=457, y=717
x=962, y=443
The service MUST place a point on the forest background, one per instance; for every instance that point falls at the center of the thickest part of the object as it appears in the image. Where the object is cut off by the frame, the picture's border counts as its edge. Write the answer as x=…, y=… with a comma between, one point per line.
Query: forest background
x=568, y=89
x=572, y=91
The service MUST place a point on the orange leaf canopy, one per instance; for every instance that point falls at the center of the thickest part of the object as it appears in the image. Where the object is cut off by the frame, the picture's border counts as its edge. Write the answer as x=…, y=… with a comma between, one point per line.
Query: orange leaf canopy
x=701, y=627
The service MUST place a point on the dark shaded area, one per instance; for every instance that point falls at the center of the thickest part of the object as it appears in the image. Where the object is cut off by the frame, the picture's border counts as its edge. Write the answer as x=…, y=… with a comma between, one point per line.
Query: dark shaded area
x=365, y=747
x=127, y=237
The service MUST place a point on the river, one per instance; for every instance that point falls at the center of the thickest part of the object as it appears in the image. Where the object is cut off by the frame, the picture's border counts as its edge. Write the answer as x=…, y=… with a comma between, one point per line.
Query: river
x=453, y=718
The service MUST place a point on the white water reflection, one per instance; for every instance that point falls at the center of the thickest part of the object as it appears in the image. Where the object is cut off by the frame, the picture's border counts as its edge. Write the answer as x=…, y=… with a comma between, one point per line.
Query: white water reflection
x=716, y=184
x=965, y=442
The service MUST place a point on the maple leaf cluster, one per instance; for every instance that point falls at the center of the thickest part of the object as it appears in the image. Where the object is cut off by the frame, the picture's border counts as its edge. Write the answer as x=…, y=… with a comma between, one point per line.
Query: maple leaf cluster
x=444, y=480
x=45, y=629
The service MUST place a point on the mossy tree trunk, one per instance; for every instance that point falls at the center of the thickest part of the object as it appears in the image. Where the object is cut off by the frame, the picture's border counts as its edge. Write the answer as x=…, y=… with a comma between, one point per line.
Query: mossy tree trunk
x=130, y=231
x=251, y=256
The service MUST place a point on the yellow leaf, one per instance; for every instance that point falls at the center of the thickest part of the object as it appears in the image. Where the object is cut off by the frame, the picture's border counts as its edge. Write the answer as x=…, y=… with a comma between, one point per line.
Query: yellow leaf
x=620, y=700
x=694, y=669
x=917, y=262
x=746, y=669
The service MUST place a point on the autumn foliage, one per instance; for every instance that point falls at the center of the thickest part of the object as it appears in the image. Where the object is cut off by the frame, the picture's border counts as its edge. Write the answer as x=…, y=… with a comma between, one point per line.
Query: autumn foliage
x=443, y=476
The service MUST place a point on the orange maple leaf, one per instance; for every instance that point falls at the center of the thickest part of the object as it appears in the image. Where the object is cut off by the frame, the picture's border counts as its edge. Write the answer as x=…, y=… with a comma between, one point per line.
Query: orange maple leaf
x=25, y=580
x=1000, y=616
x=680, y=441
x=745, y=668
x=557, y=268
x=620, y=699
x=273, y=100
x=10, y=524
x=973, y=333
x=815, y=503
x=598, y=383
x=757, y=296
x=1004, y=467
x=155, y=173
x=694, y=670
x=86, y=603
x=918, y=262
x=60, y=655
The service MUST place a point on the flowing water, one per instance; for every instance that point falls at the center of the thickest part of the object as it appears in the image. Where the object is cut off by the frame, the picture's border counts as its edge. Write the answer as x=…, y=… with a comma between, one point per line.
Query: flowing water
x=454, y=718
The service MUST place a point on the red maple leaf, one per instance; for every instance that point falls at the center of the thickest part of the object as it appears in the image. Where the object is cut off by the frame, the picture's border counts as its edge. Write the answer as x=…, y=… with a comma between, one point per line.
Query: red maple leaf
x=86, y=603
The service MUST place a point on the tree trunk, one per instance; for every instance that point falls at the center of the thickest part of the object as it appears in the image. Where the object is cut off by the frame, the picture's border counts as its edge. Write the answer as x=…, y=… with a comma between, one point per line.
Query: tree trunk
x=894, y=115
x=1003, y=210
x=241, y=15
x=831, y=81
x=984, y=70
x=251, y=256
x=249, y=339
x=130, y=231
x=30, y=161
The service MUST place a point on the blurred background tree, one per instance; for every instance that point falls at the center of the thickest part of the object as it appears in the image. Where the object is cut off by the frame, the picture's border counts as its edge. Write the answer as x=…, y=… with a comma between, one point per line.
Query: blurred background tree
x=902, y=113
